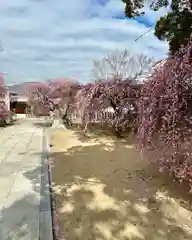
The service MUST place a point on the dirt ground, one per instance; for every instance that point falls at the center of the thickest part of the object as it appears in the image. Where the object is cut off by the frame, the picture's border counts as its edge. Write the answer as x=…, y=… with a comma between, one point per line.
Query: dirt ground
x=105, y=190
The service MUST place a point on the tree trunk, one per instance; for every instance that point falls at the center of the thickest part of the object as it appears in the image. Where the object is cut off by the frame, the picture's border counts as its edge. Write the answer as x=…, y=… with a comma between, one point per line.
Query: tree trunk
x=85, y=128
x=118, y=132
x=58, y=123
x=66, y=121
x=57, y=120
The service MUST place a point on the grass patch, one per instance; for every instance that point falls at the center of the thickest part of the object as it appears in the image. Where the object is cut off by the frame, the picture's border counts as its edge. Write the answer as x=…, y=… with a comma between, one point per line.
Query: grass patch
x=105, y=190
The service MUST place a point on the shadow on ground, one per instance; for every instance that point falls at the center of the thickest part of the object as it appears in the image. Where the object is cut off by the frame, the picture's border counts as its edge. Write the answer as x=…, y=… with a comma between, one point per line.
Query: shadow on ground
x=27, y=218
x=97, y=130
x=43, y=124
x=105, y=191
x=19, y=209
x=18, y=221
x=12, y=123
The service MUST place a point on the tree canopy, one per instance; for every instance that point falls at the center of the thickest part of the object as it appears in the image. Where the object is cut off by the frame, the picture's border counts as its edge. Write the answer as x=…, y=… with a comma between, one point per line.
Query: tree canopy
x=3, y=108
x=118, y=64
x=165, y=113
x=118, y=95
x=160, y=109
x=175, y=27
x=53, y=94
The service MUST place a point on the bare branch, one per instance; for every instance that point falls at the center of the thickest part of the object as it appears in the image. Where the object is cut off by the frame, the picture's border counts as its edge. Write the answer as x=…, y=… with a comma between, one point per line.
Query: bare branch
x=119, y=64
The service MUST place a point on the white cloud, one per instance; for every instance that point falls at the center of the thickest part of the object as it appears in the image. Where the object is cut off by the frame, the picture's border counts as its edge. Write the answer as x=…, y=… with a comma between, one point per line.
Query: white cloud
x=153, y=16
x=59, y=38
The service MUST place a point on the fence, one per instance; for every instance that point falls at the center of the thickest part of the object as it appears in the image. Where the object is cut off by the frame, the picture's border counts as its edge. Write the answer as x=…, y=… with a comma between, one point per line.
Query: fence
x=77, y=116
x=95, y=116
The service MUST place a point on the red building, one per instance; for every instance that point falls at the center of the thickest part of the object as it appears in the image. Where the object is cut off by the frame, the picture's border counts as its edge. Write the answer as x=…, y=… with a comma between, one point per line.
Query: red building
x=18, y=103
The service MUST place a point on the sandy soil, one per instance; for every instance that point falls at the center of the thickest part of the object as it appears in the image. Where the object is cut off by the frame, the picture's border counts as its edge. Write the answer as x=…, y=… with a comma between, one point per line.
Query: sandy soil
x=105, y=190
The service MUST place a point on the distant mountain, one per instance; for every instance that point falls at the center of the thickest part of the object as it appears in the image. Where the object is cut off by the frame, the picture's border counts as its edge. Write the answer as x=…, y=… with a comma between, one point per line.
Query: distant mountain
x=19, y=88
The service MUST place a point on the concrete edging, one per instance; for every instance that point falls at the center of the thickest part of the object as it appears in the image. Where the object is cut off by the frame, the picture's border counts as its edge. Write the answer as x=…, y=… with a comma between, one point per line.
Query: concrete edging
x=45, y=213
x=55, y=224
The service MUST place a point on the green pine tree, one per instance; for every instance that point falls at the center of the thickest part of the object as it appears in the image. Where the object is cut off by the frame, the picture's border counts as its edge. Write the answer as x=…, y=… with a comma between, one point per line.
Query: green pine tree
x=175, y=27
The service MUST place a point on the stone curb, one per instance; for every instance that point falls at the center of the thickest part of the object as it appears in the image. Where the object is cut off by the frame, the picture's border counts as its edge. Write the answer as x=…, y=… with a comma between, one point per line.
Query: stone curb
x=45, y=219
x=55, y=224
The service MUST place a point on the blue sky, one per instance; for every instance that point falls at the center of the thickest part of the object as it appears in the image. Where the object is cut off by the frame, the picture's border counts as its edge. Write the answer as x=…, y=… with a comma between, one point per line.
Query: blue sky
x=57, y=38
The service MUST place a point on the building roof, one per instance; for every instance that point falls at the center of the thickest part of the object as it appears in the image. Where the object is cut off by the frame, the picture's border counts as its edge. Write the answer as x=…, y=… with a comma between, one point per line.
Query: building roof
x=18, y=99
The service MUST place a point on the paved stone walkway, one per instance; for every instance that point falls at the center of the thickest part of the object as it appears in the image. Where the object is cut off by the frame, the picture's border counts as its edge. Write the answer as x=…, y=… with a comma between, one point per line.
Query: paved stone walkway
x=24, y=197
